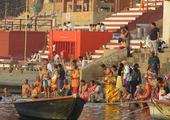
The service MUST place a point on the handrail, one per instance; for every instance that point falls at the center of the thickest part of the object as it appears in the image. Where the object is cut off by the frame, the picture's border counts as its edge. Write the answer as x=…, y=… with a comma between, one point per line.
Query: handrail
x=18, y=24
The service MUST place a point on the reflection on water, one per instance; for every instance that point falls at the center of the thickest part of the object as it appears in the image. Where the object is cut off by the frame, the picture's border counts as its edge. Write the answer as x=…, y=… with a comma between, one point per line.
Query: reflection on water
x=112, y=112
x=91, y=111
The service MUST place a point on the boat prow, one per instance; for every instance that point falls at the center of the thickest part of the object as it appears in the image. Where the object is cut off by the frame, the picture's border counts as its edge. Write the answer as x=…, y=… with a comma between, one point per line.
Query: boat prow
x=160, y=109
x=65, y=108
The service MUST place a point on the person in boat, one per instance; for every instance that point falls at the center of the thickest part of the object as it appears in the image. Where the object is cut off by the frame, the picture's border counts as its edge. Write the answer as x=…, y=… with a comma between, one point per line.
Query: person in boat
x=112, y=94
x=54, y=81
x=83, y=90
x=66, y=90
x=26, y=89
x=162, y=89
x=6, y=93
x=75, y=78
x=61, y=76
x=46, y=81
x=34, y=92
x=97, y=95
x=38, y=84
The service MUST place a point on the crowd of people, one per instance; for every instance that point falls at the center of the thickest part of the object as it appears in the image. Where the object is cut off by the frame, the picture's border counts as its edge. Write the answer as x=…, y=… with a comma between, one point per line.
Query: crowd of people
x=120, y=82
x=99, y=27
x=52, y=82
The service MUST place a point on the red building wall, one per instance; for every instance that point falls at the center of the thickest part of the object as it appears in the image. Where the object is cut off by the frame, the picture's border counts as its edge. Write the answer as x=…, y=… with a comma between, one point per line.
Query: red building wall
x=4, y=43
x=15, y=43
x=77, y=43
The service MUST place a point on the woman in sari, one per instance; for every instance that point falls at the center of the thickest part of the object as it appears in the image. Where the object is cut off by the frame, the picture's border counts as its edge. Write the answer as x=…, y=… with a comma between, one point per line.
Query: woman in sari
x=83, y=90
x=75, y=77
x=119, y=81
x=112, y=94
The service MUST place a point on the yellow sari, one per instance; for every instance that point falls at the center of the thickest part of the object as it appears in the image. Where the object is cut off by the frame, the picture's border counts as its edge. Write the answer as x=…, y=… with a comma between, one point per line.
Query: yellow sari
x=112, y=94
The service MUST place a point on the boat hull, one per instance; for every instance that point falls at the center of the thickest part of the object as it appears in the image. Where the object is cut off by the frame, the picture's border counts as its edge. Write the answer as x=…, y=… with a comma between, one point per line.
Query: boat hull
x=159, y=110
x=64, y=108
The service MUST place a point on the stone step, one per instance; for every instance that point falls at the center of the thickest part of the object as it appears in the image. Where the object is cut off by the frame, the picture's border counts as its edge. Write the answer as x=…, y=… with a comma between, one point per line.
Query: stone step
x=99, y=51
x=96, y=56
x=115, y=23
x=130, y=13
x=120, y=18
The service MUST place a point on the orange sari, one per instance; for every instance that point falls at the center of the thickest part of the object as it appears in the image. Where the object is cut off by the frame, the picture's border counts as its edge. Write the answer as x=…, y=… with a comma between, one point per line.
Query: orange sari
x=75, y=76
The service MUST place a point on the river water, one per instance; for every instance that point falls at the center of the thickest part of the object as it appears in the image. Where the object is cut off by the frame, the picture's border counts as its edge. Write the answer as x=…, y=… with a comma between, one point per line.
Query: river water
x=91, y=111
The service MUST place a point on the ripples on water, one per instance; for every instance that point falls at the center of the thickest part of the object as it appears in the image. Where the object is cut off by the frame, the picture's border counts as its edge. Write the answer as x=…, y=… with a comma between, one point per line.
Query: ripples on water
x=91, y=111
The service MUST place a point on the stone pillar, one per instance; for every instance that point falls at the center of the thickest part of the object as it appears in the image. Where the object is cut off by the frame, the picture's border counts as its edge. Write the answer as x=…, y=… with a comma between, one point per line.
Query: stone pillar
x=166, y=22
x=64, y=4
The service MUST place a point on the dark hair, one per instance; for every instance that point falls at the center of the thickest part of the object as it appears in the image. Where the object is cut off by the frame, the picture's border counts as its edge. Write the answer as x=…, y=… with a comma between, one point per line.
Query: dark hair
x=126, y=27
x=160, y=79
x=121, y=65
x=153, y=23
x=136, y=65
x=92, y=81
x=114, y=66
x=103, y=65
x=83, y=81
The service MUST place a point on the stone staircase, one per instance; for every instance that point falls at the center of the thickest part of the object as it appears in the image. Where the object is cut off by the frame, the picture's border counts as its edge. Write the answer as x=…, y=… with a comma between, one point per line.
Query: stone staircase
x=114, y=44
x=120, y=19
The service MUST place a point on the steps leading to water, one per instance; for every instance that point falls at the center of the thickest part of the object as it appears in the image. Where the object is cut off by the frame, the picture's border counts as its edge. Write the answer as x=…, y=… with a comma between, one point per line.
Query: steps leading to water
x=118, y=20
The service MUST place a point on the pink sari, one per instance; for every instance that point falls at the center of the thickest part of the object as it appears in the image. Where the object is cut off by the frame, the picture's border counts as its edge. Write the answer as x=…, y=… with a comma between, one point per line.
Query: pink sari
x=83, y=93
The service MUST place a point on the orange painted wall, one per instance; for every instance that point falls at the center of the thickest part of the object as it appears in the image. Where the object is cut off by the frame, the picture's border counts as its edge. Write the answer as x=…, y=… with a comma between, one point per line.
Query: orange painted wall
x=4, y=44
x=83, y=41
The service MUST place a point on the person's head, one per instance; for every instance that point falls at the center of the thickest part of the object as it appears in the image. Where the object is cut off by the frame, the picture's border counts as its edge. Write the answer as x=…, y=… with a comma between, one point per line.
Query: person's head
x=80, y=58
x=64, y=23
x=55, y=66
x=60, y=66
x=103, y=66
x=136, y=66
x=126, y=27
x=160, y=80
x=91, y=25
x=121, y=65
x=74, y=66
x=68, y=22
x=152, y=54
x=149, y=68
x=82, y=82
x=114, y=67
x=153, y=24
x=26, y=81
x=65, y=82
x=102, y=24
x=92, y=82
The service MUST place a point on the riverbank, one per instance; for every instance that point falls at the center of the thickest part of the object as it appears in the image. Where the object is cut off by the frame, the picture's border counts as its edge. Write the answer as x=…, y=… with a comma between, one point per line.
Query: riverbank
x=13, y=81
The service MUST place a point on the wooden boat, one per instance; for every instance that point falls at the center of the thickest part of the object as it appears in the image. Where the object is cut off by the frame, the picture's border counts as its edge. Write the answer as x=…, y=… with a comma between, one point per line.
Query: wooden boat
x=159, y=109
x=62, y=108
